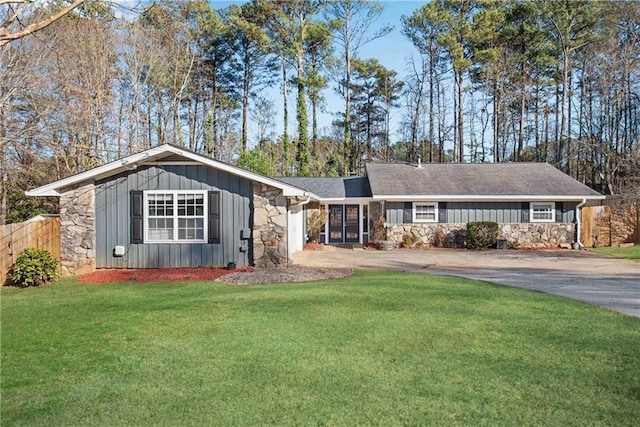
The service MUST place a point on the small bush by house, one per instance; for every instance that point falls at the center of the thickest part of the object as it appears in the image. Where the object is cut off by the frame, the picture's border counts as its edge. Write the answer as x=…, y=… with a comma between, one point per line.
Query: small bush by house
x=482, y=235
x=316, y=221
x=34, y=267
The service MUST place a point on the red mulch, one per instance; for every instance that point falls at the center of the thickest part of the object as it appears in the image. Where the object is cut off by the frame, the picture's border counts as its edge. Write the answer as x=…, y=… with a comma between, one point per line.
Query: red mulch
x=313, y=247
x=156, y=274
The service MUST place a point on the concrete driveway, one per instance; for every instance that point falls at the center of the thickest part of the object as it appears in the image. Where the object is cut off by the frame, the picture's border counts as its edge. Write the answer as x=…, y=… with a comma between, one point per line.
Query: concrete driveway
x=581, y=275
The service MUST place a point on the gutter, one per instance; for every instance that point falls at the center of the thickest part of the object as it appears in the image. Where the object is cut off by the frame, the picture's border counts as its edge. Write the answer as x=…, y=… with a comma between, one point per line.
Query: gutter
x=304, y=202
x=579, y=222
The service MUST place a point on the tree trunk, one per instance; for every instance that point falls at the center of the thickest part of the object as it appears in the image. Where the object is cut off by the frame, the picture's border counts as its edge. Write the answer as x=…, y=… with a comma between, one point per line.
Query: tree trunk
x=346, y=158
x=565, y=103
x=460, y=118
x=521, y=129
x=432, y=71
x=285, y=119
x=4, y=179
x=303, y=132
x=245, y=100
x=496, y=123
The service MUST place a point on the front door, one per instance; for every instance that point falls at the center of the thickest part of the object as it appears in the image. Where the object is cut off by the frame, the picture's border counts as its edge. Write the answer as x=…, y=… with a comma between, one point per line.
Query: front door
x=344, y=223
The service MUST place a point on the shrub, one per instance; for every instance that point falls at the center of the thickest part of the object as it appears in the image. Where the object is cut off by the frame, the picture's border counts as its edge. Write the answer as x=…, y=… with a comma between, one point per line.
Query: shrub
x=513, y=244
x=34, y=267
x=379, y=231
x=409, y=240
x=316, y=221
x=439, y=238
x=482, y=235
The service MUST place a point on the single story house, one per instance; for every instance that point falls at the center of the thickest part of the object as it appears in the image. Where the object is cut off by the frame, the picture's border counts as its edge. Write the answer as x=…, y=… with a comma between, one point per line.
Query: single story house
x=170, y=207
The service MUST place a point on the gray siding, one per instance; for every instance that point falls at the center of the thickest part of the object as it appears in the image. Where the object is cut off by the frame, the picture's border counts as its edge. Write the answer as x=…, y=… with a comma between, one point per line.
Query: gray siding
x=113, y=222
x=463, y=212
x=485, y=211
x=394, y=212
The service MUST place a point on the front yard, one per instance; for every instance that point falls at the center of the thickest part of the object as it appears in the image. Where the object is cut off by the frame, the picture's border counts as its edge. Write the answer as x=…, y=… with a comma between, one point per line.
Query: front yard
x=632, y=253
x=376, y=348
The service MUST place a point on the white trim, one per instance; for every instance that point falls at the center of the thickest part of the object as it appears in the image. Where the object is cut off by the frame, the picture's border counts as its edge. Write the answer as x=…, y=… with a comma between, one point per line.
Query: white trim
x=486, y=198
x=532, y=207
x=126, y=163
x=425, y=203
x=176, y=163
x=326, y=223
x=175, y=217
x=362, y=222
x=345, y=200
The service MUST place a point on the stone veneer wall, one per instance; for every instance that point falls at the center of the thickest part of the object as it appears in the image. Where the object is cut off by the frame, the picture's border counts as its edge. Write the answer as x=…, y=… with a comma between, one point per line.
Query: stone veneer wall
x=525, y=235
x=78, y=230
x=269, y=226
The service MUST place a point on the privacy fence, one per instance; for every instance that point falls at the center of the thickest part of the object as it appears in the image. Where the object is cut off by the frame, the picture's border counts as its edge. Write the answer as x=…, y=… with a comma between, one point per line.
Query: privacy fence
x=610, y=222
x=14, y=238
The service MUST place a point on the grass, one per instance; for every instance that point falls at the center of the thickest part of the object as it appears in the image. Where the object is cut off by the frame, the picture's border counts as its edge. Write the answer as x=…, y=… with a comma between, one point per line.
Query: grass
x=632, y=253
x=378, y=348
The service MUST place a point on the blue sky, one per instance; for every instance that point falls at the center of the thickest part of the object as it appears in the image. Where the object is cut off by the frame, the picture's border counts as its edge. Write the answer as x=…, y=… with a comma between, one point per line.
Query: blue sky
x=392, y=50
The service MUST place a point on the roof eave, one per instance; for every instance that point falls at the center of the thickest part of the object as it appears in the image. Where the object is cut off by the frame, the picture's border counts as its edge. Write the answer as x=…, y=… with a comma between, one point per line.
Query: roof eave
x=344, y=199
x=483, y=198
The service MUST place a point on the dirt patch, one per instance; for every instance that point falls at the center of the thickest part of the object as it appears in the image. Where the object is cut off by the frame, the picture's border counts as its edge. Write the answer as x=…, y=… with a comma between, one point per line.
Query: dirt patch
x=156, y=274
x=284, y=275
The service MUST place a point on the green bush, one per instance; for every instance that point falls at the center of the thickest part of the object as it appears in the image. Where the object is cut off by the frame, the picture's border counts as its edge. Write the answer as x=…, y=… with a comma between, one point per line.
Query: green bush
x=481, y=235
x=34, y=267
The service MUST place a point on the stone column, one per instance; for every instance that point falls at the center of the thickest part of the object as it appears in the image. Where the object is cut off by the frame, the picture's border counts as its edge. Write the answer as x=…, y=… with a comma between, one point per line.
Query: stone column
x=269, y=226
x=78, y=230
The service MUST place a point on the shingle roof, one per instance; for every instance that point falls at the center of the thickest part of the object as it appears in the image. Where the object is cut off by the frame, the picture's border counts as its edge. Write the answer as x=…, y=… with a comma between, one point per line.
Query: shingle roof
x=474, y=179
x=331, y=188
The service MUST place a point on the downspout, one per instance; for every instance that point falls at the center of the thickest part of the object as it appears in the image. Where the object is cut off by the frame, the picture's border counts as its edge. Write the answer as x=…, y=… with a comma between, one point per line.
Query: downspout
x=289, y=205
x=579, y=222
x=304, y=226
x=305, y=202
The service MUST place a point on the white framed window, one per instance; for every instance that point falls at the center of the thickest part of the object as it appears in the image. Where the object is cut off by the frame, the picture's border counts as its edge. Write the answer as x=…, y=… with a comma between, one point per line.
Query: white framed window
x=425, y=212
x=543, y=212
x=178, y=216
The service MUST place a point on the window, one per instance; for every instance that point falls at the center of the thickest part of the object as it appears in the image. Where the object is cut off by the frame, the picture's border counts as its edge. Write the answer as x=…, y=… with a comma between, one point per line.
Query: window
x=543, y=212
x=175, y=216
x=425, y=212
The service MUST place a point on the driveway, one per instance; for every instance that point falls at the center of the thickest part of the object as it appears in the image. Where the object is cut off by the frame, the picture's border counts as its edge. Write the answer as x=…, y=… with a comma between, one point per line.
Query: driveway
x=581, y=275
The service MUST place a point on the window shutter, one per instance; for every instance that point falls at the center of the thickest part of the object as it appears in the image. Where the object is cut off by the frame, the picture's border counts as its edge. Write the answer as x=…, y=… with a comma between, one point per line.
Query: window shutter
x=442, y=212
x=525, y=212
x=407, y=217
x=559, y=212
x=137, y=216
x=214, y=217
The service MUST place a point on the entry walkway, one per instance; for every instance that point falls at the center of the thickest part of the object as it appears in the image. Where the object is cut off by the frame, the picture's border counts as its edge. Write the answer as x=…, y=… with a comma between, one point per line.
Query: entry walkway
x=581, y=275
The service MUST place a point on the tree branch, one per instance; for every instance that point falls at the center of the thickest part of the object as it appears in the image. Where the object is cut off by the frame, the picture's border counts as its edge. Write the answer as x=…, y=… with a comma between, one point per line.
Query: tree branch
x=6, y=37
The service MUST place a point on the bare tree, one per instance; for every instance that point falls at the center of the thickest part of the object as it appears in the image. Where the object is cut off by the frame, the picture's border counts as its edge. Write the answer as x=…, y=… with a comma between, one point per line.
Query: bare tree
x=352, y=20
x=18, y=11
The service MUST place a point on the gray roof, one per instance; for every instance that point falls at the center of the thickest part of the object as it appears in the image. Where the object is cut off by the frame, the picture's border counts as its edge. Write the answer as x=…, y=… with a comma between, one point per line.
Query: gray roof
x=474, y=179
x=331, y=188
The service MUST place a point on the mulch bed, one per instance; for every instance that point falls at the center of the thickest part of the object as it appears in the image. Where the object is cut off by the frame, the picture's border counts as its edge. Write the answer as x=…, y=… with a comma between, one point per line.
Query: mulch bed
x=156, y=274
x=292, y=274
x=239, y=276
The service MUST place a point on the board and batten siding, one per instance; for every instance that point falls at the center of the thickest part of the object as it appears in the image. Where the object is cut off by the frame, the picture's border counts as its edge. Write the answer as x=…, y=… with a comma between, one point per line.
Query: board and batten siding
x=463, y=212
x=113, y=218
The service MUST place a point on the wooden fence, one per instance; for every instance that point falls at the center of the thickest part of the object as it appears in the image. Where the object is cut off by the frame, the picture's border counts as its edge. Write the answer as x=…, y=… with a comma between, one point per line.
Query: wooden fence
x=610, y=222
x=14, y=238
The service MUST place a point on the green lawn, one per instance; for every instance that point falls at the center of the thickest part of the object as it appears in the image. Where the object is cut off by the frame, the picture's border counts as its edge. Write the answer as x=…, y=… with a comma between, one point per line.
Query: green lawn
x=632, y=253
x=377, y=348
